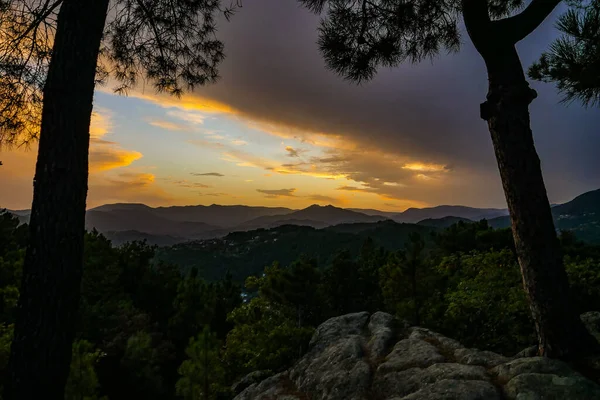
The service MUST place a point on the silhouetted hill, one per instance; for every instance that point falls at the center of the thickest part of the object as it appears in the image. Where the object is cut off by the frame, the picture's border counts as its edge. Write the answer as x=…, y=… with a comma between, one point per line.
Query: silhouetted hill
x=414, y=215
x=587, y=204
x=122, y=207
x=222, y=216
x=23, y=215
x=580, y=215
x=370, y=211
x=444, y=222
x=145, y=221
x=247, y=253
x=319, y=215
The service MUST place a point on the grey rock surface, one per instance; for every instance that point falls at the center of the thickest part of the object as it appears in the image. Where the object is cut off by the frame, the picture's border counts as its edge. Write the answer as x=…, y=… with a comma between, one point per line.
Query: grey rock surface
x=251, y=378
x=592, y=322
x=362, y=357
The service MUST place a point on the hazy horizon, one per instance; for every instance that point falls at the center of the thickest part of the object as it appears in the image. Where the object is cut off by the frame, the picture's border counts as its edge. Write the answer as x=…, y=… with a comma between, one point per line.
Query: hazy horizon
x=268, y=206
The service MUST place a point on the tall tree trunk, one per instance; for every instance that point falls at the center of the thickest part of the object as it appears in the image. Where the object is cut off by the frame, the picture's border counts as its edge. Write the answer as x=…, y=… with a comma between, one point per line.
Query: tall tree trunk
x=561, y=334
x=49, y=298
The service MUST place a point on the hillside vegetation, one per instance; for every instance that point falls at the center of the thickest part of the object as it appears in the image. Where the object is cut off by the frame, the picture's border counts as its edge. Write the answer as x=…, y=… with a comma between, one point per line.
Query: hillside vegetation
x=247, y=253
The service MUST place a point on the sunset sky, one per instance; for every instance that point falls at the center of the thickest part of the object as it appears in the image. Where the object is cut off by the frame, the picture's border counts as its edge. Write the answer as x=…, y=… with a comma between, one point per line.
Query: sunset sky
x=278, y=129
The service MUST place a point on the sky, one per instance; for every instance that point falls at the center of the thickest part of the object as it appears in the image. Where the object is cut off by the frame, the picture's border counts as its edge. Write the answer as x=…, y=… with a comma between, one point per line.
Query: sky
x=279, y=129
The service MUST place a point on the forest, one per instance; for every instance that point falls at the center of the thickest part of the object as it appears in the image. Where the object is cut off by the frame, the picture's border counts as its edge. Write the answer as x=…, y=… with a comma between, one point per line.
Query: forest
x=146, y=329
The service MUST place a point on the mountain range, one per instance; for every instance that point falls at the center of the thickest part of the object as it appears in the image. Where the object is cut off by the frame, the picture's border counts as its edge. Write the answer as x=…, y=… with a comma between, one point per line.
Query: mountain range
x=168, y=225
x=580, y=215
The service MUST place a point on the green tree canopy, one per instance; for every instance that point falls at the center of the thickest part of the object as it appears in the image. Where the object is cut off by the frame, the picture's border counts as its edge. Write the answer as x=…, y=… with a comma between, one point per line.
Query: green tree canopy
x=83, y=382
x=203, y=373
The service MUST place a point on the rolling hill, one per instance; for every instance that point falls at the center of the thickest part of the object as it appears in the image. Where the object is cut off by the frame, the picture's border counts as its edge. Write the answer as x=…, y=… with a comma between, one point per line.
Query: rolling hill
x=580, y=215
x=247, y=253
x=145, y=221
x=222, y=216
x=164, y=225
x=315, y=216
x=444, y=222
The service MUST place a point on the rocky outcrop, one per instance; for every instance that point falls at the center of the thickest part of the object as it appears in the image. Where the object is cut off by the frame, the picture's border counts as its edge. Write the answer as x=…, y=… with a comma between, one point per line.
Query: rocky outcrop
x=363, y=357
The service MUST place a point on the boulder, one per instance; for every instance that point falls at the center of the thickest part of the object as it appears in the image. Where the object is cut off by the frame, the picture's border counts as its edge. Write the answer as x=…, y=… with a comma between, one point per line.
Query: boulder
x=337, y=328
x=531, y=351
x=507, y=371
x=382, y=327
x=338, y=372
x=403, y=383
x=539, y=386
x=592, y=322
x=275, y=387
x=486, y=359
x=449, y=389
x=361, y=357
x=409, y=353
x=252, y=377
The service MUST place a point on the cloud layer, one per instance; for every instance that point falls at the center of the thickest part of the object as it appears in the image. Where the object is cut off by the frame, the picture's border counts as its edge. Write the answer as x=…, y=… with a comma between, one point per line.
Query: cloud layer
x=428, y=112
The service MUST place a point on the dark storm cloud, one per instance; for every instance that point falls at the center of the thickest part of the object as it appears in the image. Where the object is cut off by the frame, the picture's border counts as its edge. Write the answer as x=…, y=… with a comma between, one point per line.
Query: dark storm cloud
x=429, y=112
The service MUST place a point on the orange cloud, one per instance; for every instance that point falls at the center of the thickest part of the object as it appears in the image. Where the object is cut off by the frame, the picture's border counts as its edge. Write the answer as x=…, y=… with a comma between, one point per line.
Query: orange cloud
x=192, y=105
x=101, y=123
x=135, y=178
x=273, y=194
x=187, y=101
x=106, y=158
x=106, y=155
x=423, y=167
x=170, y=126
x=352, y=189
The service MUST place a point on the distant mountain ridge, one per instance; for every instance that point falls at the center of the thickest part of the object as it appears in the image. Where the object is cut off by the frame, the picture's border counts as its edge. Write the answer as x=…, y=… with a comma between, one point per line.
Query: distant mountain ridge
x=217, y=215
x=414, y=215
x=166, y=225
x=313, y=215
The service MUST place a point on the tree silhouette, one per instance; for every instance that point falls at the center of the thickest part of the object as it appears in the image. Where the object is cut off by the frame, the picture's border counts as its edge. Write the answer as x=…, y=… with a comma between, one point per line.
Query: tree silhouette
x=573, y=60
x=49, y=61
x=358, y=37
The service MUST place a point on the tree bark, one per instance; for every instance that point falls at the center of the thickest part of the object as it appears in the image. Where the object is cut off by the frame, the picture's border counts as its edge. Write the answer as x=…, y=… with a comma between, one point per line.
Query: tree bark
x=561, y=334
x=44, y=329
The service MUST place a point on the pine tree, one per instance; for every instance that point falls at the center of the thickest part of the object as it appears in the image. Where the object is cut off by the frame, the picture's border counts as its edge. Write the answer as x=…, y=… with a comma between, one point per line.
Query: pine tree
x=202, y=374
x=573, y=60
x=358, y=37
x=49, y=62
